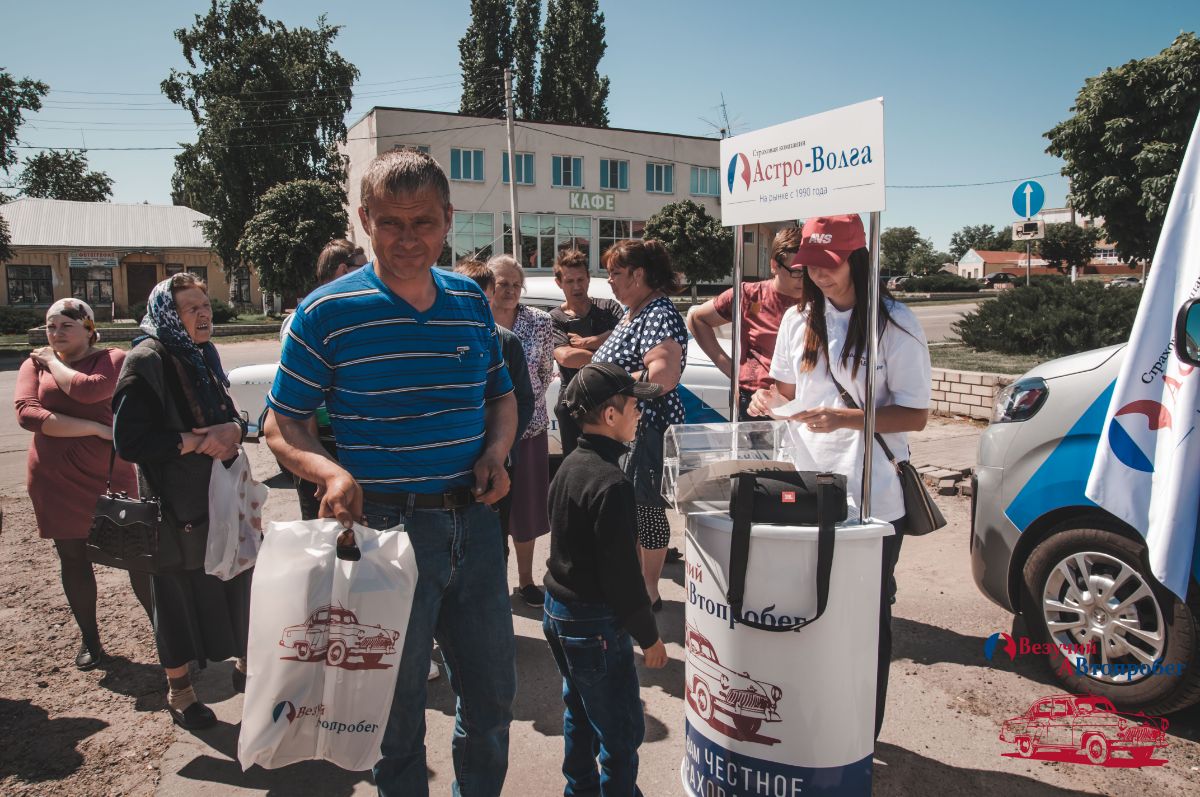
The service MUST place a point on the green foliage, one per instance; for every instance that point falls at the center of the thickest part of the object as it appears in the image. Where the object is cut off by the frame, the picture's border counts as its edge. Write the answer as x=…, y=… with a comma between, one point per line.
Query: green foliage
x=1125, y=143
x=19, y=320
x=6, y=252
x=137, y=311
x=222, y=312
x=527, y=17
x=16, y=97
x=63, y=175
x=941, y=282
x=1068, y=245
x=902, y=250
x=699, y=246
x=1051, y=318
x=484, y=51
x=980, y=236
x=570, y=89
x=269, y=102
x=293, y=224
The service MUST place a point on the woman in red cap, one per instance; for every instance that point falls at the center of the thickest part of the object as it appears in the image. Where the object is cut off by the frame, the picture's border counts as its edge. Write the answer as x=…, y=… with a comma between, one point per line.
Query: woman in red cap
x=820, y=360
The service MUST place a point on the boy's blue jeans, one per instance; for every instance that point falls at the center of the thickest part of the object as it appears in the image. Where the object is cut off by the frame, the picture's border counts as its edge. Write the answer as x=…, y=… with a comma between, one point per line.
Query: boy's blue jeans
x=603, y=717
x=462, y=600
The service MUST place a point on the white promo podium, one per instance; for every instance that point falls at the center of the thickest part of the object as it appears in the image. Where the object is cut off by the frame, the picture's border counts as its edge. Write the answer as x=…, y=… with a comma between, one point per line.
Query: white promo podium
x=786, y=714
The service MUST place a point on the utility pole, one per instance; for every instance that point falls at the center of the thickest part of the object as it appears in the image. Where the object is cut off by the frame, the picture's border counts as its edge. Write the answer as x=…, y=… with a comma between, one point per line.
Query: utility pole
x=512, y=170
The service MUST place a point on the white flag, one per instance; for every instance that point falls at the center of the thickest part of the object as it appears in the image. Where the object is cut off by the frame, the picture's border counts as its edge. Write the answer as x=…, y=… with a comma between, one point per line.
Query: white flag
x=1147, y=466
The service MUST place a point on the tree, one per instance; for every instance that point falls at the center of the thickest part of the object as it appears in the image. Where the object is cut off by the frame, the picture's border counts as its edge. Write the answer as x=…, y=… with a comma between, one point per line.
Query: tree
x=897, y=245
x=269, y=103
x=63, y=175
x=699, y=246
x=6, y=252
x=1124, y=144
x=294, y=222
x=484, y=52
x=16, y=97
x=527, y=17
x=570, y=89
x=1068, y=245
x=978, y=236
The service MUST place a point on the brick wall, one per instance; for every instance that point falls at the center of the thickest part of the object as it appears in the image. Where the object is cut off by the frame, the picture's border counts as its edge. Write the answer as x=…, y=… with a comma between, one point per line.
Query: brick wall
x=968, y=393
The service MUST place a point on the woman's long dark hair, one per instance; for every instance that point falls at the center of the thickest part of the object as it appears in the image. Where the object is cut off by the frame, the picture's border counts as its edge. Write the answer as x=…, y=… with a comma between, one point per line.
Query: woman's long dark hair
x=816, y=338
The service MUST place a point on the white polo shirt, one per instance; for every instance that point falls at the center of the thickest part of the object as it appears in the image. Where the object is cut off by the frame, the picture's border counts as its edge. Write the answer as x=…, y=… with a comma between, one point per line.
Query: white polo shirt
x=901, y=378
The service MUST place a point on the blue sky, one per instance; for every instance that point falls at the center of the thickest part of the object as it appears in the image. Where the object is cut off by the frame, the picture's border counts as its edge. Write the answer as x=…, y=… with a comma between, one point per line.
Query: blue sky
x=969, y=87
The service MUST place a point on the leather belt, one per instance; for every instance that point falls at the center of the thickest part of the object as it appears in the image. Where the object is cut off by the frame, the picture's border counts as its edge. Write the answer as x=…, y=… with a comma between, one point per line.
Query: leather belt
x=460, y=498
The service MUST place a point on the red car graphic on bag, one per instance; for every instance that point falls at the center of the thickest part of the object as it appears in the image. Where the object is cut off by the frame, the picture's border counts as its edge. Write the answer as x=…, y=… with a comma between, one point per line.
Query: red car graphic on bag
x=713, y=689
x=335, y=634
x=1085, y=725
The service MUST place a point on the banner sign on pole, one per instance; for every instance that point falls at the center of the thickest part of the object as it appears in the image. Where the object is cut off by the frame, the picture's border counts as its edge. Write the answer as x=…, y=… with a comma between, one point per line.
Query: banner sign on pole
x=822, y=165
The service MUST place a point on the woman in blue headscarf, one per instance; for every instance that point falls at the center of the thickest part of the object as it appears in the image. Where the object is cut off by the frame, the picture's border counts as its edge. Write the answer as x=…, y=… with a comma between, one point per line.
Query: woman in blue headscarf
x=172, y=417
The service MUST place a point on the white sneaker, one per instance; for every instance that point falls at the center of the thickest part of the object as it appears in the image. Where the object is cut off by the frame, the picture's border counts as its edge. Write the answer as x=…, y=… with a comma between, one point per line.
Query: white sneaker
x=434, y=672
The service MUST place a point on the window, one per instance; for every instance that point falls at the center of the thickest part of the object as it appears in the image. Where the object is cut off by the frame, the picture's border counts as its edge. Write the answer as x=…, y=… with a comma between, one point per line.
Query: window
x=543, y=236
x=524, y=167
x=418, y=147
x=474, y=234
x=704, y=182
x=660, y=178
x=201, y=272
x=466, y=164
x=748, y=236
x=92, y=285
x=243, y=286
x=568, y=172
x=30, y=285
x=614, y=175
x=613, y=230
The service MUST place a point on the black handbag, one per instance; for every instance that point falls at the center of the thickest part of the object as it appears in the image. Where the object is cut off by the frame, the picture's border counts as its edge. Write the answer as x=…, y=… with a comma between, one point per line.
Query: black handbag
x=125, y=531
x=798, y=498
x=921, y=514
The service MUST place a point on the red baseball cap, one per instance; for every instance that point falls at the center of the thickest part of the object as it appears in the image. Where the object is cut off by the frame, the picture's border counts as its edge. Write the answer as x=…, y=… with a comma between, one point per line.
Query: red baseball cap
x=826, y=240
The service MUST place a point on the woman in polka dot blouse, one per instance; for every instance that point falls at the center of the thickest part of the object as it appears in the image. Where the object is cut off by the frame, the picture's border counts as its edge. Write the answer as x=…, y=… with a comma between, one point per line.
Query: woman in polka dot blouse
x=650, y=342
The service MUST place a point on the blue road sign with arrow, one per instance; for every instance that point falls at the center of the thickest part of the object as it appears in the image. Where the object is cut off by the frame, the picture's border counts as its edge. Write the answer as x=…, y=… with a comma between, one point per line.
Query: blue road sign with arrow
x=1028, y=199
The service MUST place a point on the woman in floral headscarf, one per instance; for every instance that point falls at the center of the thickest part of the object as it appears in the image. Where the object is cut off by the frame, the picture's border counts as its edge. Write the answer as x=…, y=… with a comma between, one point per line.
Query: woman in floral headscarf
x=173, y=416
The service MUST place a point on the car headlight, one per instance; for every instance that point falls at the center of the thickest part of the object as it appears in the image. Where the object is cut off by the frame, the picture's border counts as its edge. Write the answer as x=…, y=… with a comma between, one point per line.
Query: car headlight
x=1020, y=400
x=776, y=693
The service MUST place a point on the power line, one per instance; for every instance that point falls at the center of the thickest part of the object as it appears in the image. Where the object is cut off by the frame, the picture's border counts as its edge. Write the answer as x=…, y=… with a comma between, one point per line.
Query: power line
x=988, y=182
x=262, y=91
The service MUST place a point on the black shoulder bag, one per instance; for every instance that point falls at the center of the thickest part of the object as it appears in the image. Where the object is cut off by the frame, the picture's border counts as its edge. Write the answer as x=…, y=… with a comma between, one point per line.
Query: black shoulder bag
x=921, y=514
x=125, y=531
x=790, y=498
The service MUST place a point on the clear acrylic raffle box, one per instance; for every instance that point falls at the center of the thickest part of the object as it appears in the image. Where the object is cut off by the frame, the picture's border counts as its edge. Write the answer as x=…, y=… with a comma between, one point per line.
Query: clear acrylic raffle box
x=768, y=714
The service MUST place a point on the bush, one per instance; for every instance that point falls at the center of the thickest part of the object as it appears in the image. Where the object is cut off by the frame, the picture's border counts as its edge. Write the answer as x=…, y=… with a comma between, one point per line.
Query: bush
x=19, y=320
x=940, y=283
x=1051, y=318
x=137, y=311
x=223, y=312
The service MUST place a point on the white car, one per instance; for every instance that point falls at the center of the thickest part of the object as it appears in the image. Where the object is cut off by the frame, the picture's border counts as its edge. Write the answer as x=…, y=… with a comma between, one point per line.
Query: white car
x=704, y=389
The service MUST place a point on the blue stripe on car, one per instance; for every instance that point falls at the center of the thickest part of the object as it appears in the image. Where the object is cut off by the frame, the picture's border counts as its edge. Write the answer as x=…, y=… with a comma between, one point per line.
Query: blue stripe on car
x=1062, y=478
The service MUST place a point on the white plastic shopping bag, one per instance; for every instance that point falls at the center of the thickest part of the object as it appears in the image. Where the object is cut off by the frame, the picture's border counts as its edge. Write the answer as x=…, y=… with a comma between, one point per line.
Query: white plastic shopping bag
x=235, y=508
x=325, y=642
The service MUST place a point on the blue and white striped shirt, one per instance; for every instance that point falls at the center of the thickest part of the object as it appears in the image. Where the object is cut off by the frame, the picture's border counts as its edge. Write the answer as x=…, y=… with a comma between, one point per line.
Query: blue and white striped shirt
x=405, y=390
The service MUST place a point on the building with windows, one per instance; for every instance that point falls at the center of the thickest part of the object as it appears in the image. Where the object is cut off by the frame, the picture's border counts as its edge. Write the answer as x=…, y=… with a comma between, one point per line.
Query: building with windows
x=577, y=187
x=110, y=255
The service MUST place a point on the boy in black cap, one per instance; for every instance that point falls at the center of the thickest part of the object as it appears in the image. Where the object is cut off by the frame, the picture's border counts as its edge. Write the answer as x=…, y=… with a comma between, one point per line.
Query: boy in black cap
x=596, y=600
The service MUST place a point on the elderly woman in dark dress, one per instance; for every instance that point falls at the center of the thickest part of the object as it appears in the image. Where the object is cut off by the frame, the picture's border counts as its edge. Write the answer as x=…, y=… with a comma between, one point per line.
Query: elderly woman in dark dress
x=173, y=416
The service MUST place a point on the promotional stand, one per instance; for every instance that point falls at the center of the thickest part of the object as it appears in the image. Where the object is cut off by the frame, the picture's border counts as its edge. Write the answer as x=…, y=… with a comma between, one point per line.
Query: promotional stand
x=782, y=713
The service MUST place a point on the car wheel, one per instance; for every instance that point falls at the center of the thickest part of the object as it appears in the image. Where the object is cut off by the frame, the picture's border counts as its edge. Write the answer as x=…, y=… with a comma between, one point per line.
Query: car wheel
x=704, y=703
x=1096, y=749
x=302, y=651
x=1025, y=746
x=336, y=655
x=1088, y=586
x=747, y=726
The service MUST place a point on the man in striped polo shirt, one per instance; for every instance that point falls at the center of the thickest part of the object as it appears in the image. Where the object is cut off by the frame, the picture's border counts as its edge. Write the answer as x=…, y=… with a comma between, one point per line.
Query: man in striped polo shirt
x=406, y=359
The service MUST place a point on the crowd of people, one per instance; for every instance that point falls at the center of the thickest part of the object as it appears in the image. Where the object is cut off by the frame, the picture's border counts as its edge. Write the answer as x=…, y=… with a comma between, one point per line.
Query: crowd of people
x=417, y=395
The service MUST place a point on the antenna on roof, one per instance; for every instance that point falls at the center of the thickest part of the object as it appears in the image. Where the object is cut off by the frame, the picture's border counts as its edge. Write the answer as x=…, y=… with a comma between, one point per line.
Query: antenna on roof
x=724, y=128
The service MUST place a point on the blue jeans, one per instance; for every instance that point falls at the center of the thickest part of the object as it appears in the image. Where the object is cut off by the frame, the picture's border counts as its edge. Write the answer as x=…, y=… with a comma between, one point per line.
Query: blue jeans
x=462, y=600
x=603, y=715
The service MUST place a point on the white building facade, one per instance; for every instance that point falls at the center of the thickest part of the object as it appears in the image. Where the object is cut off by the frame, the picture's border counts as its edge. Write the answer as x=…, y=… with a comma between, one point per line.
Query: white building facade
x=577, y=187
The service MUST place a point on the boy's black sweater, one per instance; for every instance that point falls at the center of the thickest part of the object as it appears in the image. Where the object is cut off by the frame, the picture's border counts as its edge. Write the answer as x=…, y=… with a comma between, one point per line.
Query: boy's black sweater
x=593, y=537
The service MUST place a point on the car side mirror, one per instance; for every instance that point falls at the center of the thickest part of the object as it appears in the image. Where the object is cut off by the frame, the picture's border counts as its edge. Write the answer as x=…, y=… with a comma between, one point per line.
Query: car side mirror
x=1187, y=333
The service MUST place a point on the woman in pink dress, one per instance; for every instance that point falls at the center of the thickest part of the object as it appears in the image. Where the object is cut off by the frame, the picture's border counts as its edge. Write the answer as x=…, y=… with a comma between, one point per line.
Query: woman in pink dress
x=64, y=396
